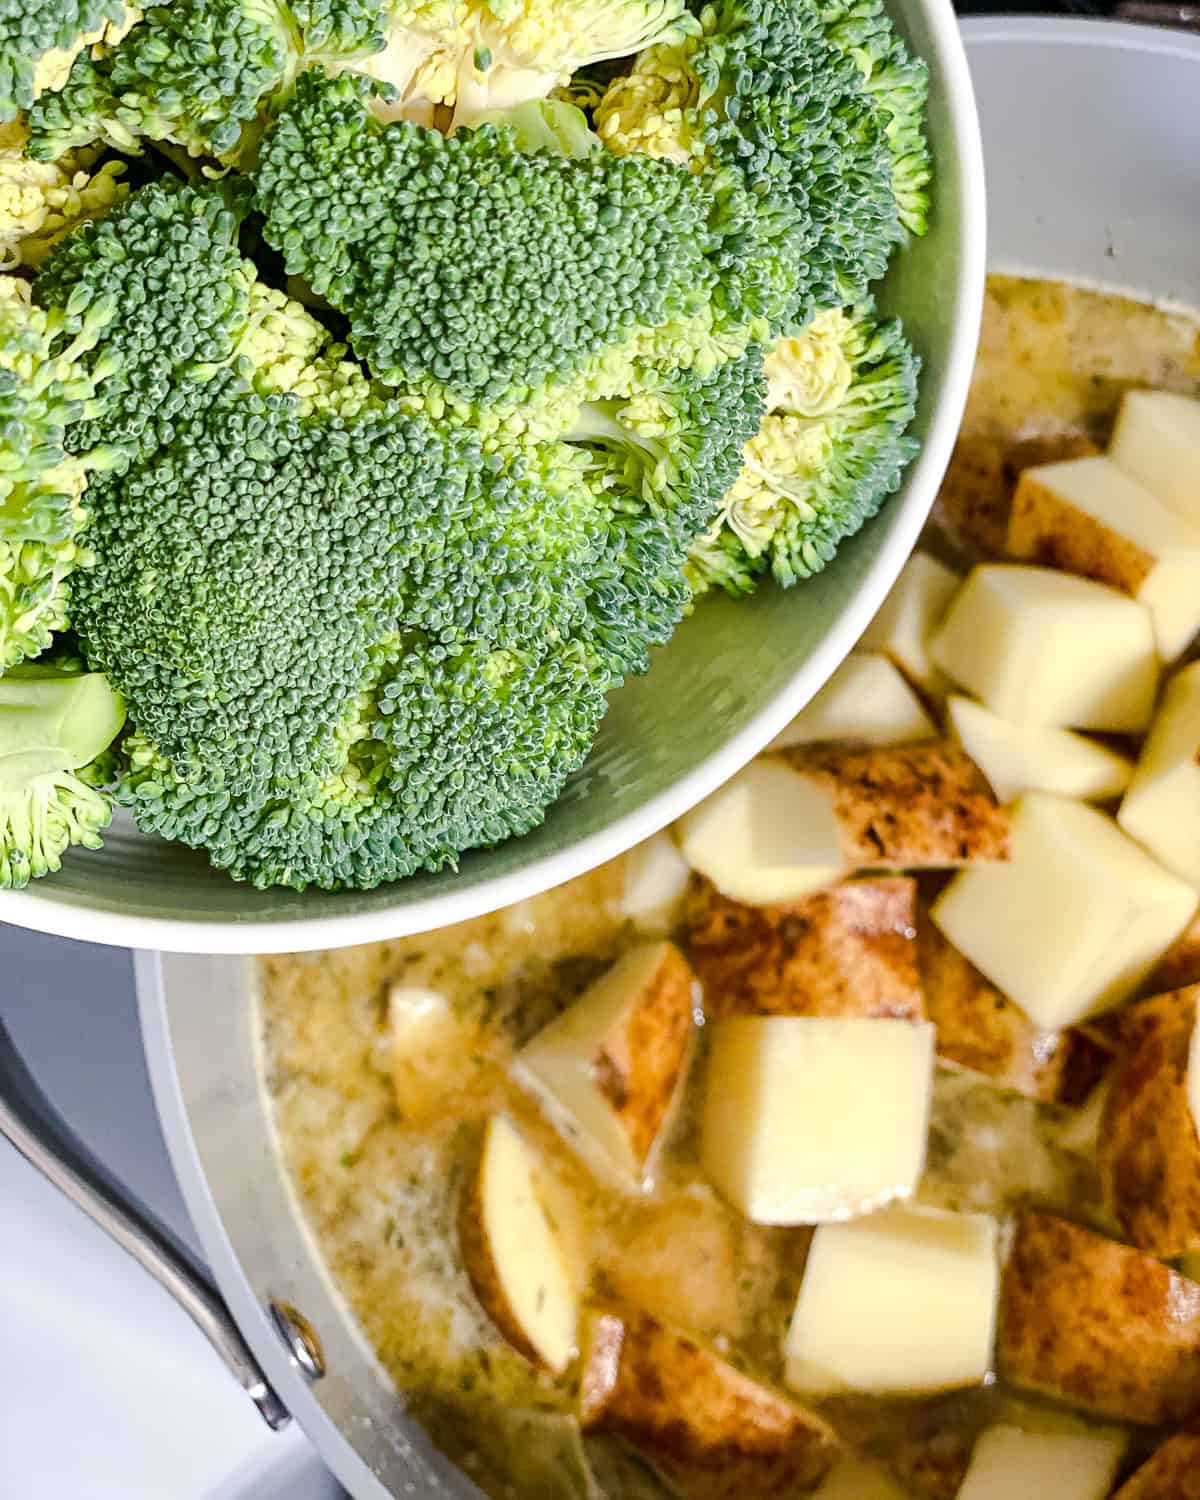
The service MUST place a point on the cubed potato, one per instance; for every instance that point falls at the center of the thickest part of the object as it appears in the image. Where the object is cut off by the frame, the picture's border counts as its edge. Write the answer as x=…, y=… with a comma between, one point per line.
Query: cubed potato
x=808, y=1119
x=908, y=617
x=513, y=1250
x=1161, y=809
x=898, y=1303
x=610, y=1065
x=794, y=822
x=656, y=880
x=713, y=1432
x=768, y=835
x=1157, y=442
x=846, y=951
x=1149, y=1143
x=914, y=807
x=981, y=1029
x=866, y=701
x=1009, y=1464
x=1074, y=921
x=856, y=1479
x=680, y=1260
x=1173, y=1473
x=1098, y=1325
x=1018, y=758
x=431, y=1048
x=1089, y=517
x=1045, y=648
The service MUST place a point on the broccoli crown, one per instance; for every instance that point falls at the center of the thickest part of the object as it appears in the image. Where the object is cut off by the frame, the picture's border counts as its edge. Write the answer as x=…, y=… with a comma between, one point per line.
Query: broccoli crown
x=830, y=450
x=470, y=268
x=38, y=41
x=764, y=92
x=56, y=726
x=353, y=641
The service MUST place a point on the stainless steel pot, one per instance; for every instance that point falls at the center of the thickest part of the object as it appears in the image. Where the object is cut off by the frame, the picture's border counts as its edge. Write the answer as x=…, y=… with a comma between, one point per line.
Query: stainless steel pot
x=1091, y=132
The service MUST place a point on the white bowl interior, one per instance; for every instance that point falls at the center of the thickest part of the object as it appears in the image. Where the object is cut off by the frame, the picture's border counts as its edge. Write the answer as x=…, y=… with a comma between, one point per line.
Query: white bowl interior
x=731, y=678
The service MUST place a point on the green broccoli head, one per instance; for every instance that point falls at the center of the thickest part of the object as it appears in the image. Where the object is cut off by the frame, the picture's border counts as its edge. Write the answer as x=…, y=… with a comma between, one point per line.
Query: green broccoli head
x=764, y=92
x=39, y=39
x=832, y=447
x=481, y=276
x=356, y=640
x=56, y=726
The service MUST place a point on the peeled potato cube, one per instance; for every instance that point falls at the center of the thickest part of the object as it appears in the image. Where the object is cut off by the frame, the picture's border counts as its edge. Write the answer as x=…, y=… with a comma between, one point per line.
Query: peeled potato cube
x=1173, y=1473
x=1076, y=918
x=512, y=1251
x=1018, y=758
x=768, y=835
x=846, y=951
x=713, y=1432
x=1046, y=648
x=911, y=807
x=656, y=879
x=981, y=1029
x=1157, y=442
x=899, y=1303
x=855, y=1479
x=1008, y=1464
x=431, y=1048
x=866, y=701
x=1094, y=1324
x=908, y=617
x=814, y=1118
x=1149, y=1140
x=1087, y=516
x=609, y=1067
x=1161, y=809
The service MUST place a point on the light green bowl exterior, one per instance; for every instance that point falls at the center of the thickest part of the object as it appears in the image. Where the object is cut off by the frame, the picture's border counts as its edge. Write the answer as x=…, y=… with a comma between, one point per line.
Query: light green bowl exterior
x=732, y=677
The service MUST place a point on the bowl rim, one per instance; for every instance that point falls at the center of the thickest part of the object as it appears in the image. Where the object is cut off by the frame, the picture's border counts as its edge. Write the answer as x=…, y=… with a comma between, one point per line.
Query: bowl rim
x=40, y=909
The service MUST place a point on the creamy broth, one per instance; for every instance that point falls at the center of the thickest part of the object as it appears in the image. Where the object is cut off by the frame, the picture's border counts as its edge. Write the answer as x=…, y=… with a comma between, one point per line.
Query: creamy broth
x=379, y=1182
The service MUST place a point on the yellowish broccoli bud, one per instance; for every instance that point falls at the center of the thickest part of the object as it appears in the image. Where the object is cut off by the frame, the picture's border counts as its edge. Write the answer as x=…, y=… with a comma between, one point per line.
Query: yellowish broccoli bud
x=40, y=202
x=54, y=67
x=647, y=111
x=809, y=375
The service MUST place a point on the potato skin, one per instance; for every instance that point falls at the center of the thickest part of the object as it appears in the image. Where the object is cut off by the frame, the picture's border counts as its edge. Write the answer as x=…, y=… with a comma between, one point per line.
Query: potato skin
x=1179, y=965
x=920, y=806
x=845, y=951
x=981, y=1029
x=1045, y=530
x=476, y=1252
x=1149, y=1147
x=1098, y=1325
x=1172, y=1473
x=639, y=1064
x=714, y=1433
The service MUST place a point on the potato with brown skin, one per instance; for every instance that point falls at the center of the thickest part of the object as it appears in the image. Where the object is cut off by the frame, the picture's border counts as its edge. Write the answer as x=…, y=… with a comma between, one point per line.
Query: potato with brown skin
x=1179, y=965
x=923, y=806
x=975, y=500
x=1173, y=1473
x=1149, y=1147
x=612, y=1062
x=1098, y=1325
x=845, y=951
x=713, y=1432
x=981, y=1029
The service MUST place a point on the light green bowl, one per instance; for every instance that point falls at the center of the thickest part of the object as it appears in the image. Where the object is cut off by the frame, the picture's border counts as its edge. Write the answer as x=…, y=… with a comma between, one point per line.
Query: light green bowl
x=728, y=682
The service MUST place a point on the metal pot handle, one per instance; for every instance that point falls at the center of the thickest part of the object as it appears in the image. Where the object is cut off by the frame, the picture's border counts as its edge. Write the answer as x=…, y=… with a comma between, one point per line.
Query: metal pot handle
x=34, y=1127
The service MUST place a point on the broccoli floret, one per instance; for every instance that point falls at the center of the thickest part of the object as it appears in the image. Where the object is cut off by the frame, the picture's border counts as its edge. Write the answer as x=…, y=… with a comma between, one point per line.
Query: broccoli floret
x=831, y=448
x=56, y=727
x=48, y=384
x=41, y=201
x=355, y=641
x=899, y=84
x=476, y=275
x=763, y=92
x=39, y=40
